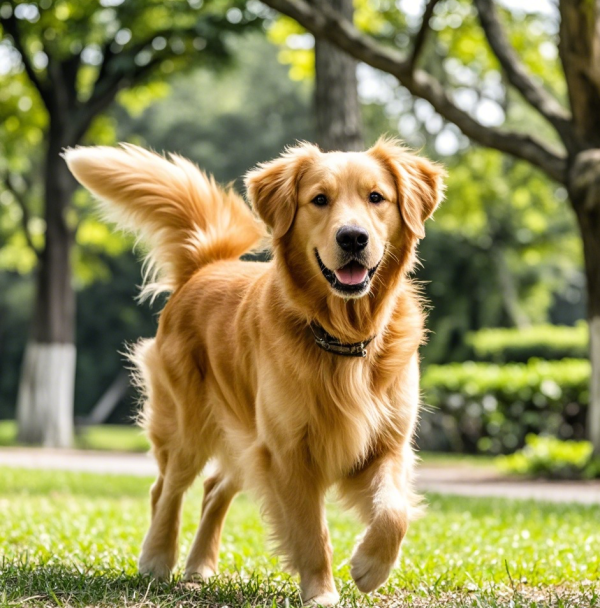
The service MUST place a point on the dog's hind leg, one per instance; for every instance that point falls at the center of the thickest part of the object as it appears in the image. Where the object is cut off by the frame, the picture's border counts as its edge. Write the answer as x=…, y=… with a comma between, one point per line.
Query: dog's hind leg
x=159, y=551
x=219, y=491
x=155, y=492
x=157, y=486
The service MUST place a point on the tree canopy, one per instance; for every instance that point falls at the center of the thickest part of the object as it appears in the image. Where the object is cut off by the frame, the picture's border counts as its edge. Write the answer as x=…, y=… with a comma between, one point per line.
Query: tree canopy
x=69, y=61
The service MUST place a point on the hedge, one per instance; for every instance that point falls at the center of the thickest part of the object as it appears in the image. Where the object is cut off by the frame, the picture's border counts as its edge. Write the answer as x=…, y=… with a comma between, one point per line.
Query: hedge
x=552, y=458
x=485, y=407
x=550, y=342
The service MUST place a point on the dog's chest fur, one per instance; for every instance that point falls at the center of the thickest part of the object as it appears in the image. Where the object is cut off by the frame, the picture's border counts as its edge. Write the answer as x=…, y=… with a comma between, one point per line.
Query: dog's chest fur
x=337, y=420
x=345, y=419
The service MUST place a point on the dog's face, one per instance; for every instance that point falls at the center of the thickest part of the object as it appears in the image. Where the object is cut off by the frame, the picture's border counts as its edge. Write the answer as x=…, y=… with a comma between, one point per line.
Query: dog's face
x=342, y=213
x=346, y=216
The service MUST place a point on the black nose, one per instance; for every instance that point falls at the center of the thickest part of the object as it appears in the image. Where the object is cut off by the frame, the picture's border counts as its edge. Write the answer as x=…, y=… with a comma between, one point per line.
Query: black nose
x=352, y=238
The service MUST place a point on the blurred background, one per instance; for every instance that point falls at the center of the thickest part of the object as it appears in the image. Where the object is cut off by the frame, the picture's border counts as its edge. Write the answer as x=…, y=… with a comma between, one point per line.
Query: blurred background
x=228, y=84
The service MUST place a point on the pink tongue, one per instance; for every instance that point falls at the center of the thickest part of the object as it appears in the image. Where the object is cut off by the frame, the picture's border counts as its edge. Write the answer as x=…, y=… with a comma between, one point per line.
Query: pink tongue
x=351, y=274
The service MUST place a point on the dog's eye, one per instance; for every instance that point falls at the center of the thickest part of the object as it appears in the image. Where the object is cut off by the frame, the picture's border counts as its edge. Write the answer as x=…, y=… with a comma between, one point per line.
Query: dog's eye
x=320, y=200
x=375, y=197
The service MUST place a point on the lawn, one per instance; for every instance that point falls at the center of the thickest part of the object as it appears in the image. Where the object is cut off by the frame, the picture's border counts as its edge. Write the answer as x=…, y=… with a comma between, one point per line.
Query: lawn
x=105, y=437
x=130, y=438
x=71, y=539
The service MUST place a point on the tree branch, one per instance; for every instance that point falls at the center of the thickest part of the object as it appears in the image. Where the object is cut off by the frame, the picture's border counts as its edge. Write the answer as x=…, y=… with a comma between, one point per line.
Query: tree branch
x=102, y=96
x=517, y=75
x=25, y=215
x=117, y=71
x=11, y=27
x=521, y=145
x=327, y=24
x=107, y=88
x=421, y=36
x=579, y=51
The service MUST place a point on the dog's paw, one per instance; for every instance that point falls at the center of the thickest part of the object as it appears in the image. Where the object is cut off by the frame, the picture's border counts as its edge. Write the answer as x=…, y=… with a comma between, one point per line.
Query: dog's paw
x=157, y=566
x=199, y=573
x=330, y=598
x=368, y=569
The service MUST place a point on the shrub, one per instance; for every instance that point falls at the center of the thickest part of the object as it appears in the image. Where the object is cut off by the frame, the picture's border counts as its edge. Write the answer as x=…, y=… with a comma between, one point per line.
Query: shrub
x=484, y=407
x=550, y=342
x=553, y=458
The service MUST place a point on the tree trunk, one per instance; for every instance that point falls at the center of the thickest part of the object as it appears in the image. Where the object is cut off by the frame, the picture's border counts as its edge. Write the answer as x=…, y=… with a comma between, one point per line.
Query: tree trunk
x=339, y=124
x=589, y=224
x=45, y=400
x=584, y=189
x=508, y=289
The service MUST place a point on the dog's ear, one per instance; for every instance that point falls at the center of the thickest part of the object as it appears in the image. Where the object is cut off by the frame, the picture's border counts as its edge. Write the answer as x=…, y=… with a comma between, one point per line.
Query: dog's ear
x=273, y=187
x=419, y=182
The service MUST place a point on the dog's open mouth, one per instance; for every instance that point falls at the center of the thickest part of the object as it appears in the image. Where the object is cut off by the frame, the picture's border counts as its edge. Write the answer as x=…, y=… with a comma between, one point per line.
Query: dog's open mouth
x=352, y=278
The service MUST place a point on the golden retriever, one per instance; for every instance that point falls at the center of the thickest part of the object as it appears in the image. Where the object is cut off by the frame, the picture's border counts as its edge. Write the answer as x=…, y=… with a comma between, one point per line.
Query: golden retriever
x=295, y=375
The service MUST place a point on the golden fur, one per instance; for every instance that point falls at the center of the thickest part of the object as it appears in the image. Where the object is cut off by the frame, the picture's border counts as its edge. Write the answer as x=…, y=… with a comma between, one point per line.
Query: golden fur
x=234, y=373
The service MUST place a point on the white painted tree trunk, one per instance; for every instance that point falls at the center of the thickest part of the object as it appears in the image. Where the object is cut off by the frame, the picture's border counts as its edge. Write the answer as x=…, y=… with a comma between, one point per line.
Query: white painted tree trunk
x=45, y=403
x=594, y=414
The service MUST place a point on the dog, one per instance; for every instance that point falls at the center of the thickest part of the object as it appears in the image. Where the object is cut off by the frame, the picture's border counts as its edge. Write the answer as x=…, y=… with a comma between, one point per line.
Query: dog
x=293, y=376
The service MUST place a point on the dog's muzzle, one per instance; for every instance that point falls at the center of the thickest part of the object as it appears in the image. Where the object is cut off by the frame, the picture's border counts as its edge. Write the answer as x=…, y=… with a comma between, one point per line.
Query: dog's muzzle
x=352, y=278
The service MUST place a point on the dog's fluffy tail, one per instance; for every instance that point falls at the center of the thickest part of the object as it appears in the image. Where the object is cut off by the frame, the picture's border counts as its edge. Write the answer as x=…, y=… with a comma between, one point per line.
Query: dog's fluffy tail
x=183, y=218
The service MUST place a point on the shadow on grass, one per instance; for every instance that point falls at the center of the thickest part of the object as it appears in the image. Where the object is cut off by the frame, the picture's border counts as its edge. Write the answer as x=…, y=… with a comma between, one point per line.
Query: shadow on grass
x=63, y=585
x=50, y=584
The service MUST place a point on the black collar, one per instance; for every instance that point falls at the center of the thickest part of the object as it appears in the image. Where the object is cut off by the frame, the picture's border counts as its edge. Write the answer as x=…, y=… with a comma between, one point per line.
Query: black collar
x=333, y=345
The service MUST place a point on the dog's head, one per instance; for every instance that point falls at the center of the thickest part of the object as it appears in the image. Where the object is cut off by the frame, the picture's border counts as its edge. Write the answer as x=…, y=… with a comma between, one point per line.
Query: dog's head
x=339, y=215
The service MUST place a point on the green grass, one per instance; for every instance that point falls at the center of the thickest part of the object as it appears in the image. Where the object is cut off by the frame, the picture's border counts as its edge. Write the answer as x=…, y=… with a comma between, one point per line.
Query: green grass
x=443, y=459
x=8, y=433
x=71, y=539
x=121, y=438
x=112, y=438
x=105, y=437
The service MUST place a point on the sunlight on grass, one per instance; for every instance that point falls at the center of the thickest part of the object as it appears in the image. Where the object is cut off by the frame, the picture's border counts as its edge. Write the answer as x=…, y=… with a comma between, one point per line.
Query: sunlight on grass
x=130, y=438
x=8, y=433
x=113, y=437
x=79, y=534
x=105, y=437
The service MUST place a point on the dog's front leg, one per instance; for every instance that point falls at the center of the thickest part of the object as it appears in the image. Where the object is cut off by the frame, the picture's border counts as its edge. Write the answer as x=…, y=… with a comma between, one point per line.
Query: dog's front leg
x=294, y=500
x=383, y=494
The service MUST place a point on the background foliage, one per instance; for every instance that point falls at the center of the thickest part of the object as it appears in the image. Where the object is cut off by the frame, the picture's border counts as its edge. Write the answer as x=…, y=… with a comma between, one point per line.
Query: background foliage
x=491, y=408
x=503, y=251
